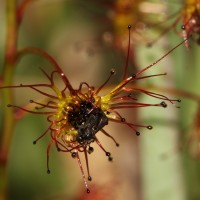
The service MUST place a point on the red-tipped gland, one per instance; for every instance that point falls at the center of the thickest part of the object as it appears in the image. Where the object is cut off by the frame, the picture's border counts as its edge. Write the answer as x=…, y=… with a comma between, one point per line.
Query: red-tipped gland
x=149, y=127
x=89, y=178
x=112, y=71
x=58, y=149
x=107, y=112
x=179, y=100
x=163, y=104
x=74, y=154
x=90, y=150
x=137, y=133
x=108, y=154
x=88, y=191
x=117, y=144
x=133, y=76
x=48, y=171
x=34, y=142
x=123, y=119
x=129, y=26
x=183, y=27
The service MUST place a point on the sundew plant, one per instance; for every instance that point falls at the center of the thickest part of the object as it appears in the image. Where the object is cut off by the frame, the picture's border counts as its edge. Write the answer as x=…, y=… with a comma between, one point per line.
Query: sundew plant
x=184, y=21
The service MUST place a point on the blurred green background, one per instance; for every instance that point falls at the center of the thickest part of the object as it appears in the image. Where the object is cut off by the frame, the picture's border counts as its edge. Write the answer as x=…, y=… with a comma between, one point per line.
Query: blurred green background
x=159, y=164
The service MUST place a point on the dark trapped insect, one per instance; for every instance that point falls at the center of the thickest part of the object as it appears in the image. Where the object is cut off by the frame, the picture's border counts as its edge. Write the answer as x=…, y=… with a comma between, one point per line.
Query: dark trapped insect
x=77, y=116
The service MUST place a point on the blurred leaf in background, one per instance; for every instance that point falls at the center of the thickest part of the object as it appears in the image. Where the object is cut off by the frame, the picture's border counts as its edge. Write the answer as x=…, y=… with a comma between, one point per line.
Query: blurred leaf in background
x=149, y=167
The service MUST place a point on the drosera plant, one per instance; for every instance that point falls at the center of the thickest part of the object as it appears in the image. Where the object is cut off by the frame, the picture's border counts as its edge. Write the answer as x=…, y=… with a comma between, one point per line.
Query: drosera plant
x=77, y=116
x=185, y=22
x=191, y=20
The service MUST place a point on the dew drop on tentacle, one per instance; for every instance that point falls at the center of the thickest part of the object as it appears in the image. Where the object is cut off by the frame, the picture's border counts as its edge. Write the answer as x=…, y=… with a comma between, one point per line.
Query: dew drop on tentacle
x=34, y=142
x=74, y=154
x=112, y=71
x=183, y=27
x=133, y=75
x=150, y=127
x=108, y=154
x=163, y=104
x=90, y=150
x=107, y=112
x=123, y=119
x=137, y=133
x=88, y=191
x=89, y=178
x=179, y=101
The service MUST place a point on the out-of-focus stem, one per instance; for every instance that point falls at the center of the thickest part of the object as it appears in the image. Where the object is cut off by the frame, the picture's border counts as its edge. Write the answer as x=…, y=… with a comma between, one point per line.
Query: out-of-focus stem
x=13, y=17
x=9, y=64
x=8, y=119
x=21, y=9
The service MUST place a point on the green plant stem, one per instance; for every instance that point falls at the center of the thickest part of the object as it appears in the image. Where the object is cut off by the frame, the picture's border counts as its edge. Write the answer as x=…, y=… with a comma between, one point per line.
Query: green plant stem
x=9, y=64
